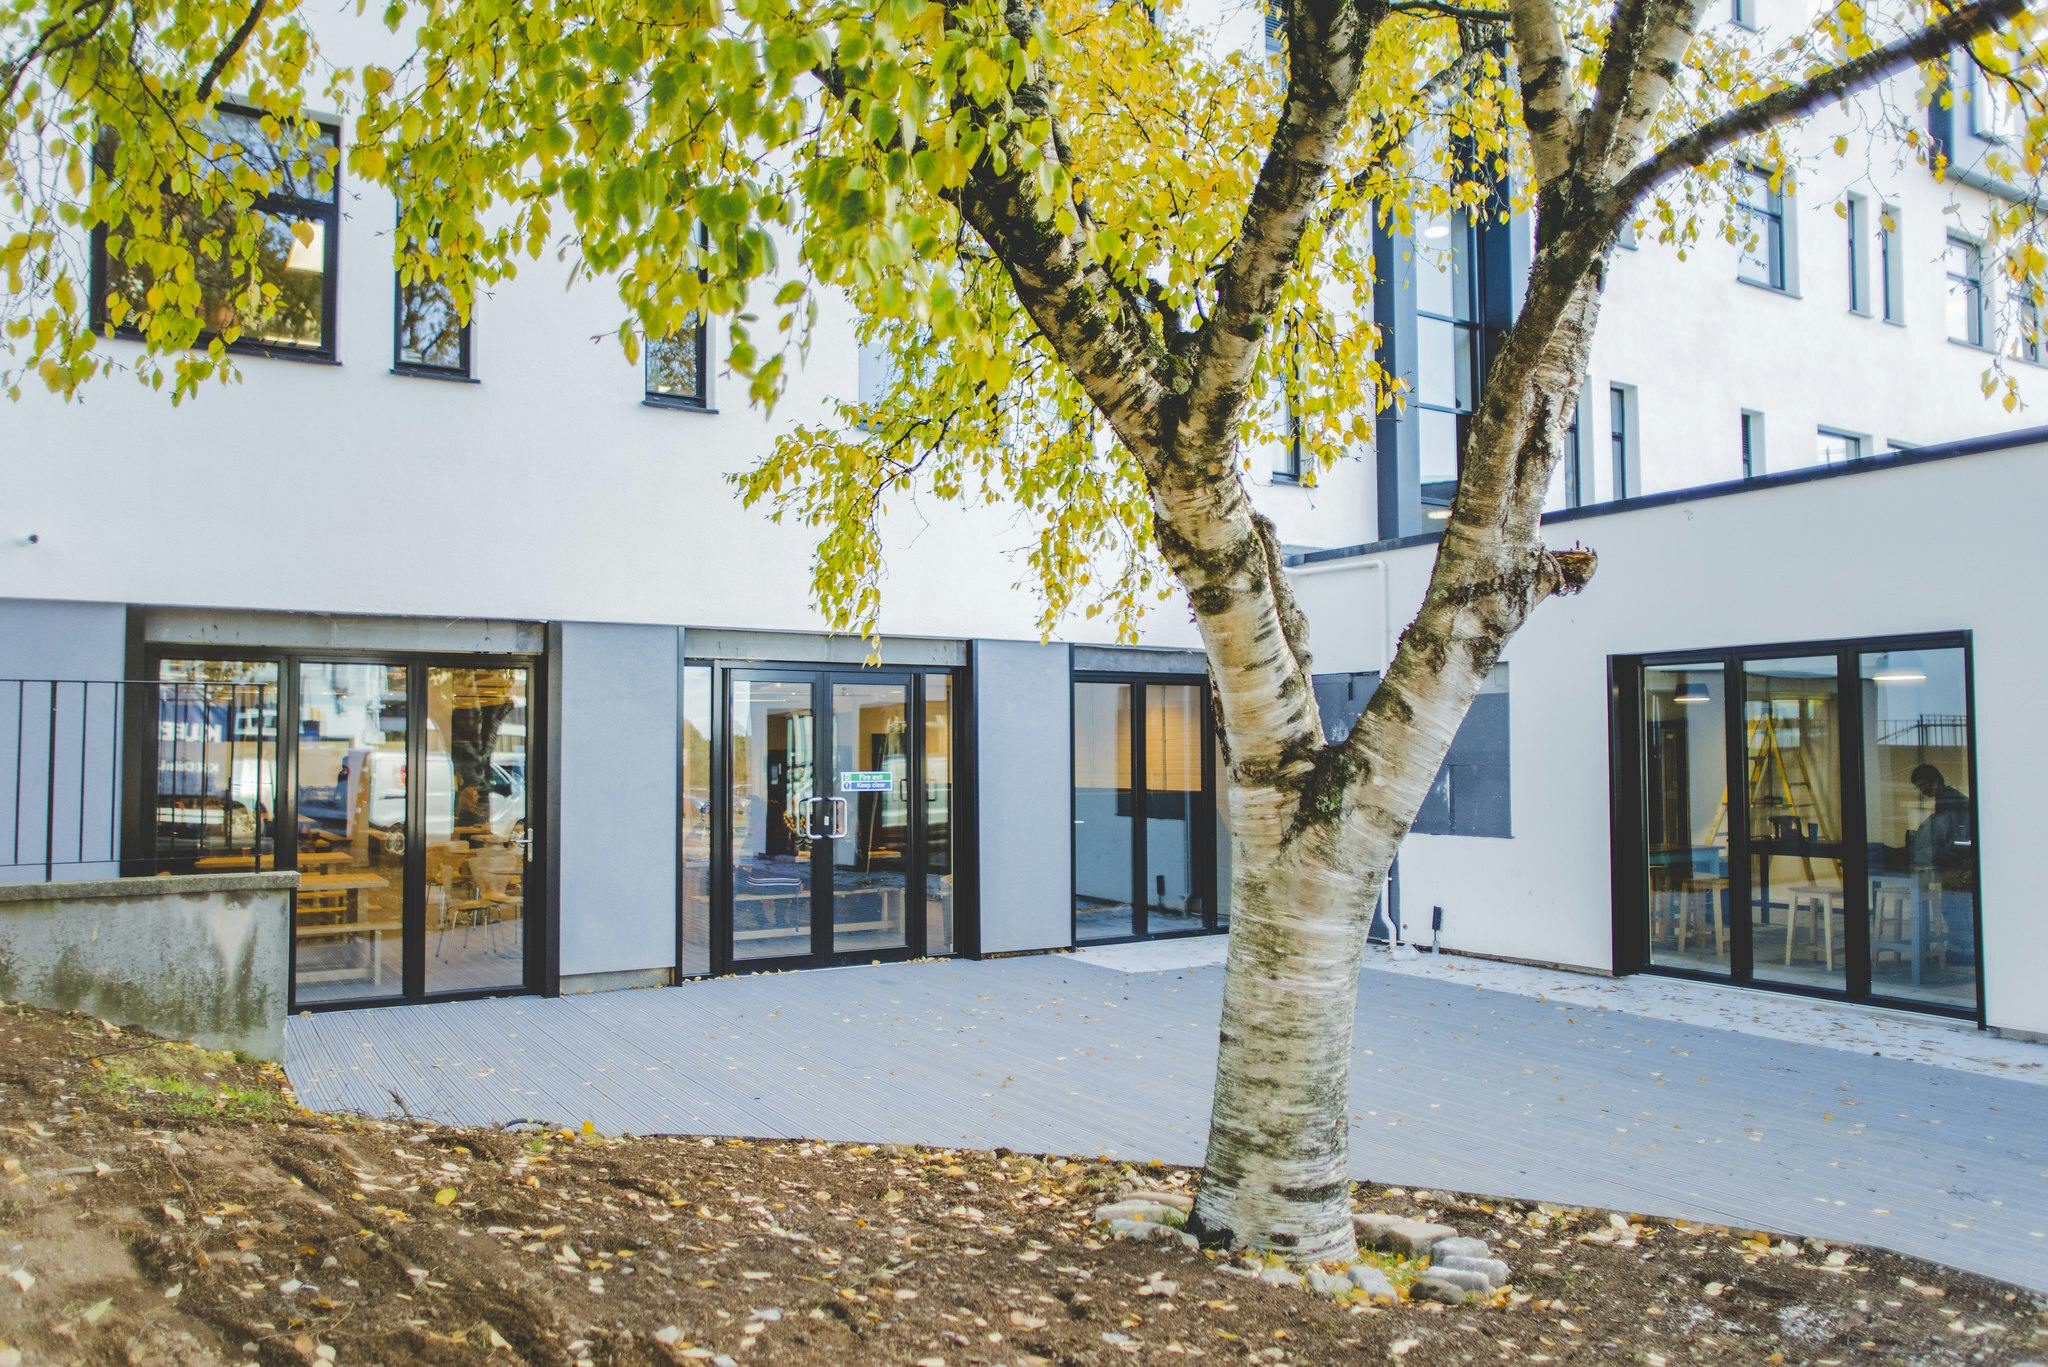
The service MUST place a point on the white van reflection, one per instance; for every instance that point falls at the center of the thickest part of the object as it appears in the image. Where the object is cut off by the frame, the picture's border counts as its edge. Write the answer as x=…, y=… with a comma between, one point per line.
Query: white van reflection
x=338, y=809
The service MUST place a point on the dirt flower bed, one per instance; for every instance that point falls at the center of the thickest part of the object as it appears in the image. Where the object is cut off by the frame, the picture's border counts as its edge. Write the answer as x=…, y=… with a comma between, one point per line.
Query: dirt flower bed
x=162, y=1204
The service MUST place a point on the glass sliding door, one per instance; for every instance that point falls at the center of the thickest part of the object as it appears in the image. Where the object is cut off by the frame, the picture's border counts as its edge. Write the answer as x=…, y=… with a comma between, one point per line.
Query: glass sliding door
x=1146, y=826
x=1104, y=806
x=353, y=803
x=693, y=935
x=477, y=839
x=868, y=816
x=1798, y=905
x=773, y=759
x=1173, y=791
x=939, y=771
x=1686, y=815
x=1921, y=825
x=1807, y=820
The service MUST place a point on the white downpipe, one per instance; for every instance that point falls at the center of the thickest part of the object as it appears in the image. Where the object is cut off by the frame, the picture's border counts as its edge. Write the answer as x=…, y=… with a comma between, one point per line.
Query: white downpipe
x=1386, y=656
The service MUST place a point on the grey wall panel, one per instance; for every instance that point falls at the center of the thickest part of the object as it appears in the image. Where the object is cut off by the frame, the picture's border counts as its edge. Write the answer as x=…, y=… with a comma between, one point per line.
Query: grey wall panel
x=229, y=628
x=70, y=817
x=1023, y=701
x=617, y=789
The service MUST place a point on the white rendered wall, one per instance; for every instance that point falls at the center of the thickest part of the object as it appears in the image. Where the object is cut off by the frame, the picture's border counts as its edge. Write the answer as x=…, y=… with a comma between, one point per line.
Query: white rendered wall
x=1940, y=546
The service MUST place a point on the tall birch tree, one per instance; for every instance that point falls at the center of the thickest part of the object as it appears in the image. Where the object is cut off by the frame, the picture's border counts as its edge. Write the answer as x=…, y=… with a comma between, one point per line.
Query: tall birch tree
x=1108, y=254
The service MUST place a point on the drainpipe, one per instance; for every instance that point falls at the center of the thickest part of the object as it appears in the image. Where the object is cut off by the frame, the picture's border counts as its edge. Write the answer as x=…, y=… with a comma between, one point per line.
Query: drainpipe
x=1386, y=655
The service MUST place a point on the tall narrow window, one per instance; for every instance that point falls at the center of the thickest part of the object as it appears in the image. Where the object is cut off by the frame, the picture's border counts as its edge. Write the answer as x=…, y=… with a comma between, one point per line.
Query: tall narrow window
x=1567, y=481
x=1448, y=340
x=2029, y=345
x=1965, y=265
x=1855, y=211
x=1276, y=24
x=676, y=369
x=429, y=336
x=1889, y=264
x=1752, y=443
x=1742, y=13
x=296, y=252
x=1621, y=421
x=1761, y=224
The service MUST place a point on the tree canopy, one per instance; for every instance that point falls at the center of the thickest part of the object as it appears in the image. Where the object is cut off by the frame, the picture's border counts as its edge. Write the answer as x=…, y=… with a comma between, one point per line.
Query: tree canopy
x=739, y=161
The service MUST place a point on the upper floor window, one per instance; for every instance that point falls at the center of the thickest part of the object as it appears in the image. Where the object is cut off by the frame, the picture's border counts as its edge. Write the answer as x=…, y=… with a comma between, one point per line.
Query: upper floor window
x=1965, y=264
x=1993, y=111
x=1567, y=481
x=1742, y=13
x=677, y=373
x=1621, y=440
x=2029, y=344
x=1276, y=24
x=1856, y=217
x=1752, y=430
x=1761, y=221
x=1890, y=281
x=296, y=254
x=1449, y=341
x=1835, y=447
x=428, y=334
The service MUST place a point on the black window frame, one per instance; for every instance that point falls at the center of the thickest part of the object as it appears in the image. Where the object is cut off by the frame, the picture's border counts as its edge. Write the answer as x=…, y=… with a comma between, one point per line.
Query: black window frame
x=1628, y=779
x=327, y=212
x=1771, y=232
x=1275, y=16
x=1742, y=14
x=701, y=402
x=1467, y=321
x=1204, y=863
x=1853, y=214
x=1972, y=283
x=1752, y=428
x=1889, y=284
x=464, y=369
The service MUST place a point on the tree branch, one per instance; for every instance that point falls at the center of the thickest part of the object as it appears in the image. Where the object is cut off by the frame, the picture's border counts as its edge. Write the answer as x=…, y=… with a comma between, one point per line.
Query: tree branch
x=1462, y=13
x=1641, y=60
x=1326, y=41
x=1792, y=102
x=1548, y=110
x=236, y=41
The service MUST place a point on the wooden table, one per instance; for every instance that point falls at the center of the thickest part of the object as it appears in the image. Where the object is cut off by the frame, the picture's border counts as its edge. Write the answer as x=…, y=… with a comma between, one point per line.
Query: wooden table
x=311, y=924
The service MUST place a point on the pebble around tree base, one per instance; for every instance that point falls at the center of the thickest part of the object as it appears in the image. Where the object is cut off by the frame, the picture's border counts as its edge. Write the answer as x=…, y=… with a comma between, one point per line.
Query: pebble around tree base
x=1433, y=1286
x=1398, y=1233
x=1144, y=1231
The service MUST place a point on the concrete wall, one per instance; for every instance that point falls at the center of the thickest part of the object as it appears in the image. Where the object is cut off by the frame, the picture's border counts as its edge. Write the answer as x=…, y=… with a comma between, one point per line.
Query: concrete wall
x=1023, y=702
x=202, y=958
x=619, y=767
x=42, y=641
x=1941, y=545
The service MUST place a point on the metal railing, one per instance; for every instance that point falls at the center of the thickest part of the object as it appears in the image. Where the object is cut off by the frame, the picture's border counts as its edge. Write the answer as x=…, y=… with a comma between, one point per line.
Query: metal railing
x=75, y=797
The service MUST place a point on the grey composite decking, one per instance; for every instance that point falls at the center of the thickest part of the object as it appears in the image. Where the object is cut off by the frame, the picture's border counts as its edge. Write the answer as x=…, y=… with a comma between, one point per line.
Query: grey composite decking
x=1453, y=1087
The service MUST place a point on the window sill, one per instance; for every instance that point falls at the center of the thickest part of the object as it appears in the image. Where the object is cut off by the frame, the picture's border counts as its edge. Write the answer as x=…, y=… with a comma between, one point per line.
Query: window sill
x=676, y=405
x=303, y=355
x=1782, y=291
x=1972, y=346
x=409, y=372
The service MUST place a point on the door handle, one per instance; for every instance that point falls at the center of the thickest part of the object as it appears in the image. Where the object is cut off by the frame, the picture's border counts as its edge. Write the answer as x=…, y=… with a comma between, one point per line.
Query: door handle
x=811, y=819
x=838, y=816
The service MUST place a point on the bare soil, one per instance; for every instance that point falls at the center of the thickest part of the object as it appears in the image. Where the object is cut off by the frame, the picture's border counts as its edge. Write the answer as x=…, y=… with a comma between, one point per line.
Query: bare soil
x=164, y=1204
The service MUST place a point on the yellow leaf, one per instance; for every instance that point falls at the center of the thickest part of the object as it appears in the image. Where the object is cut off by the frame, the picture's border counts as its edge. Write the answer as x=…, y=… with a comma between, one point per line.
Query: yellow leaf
x=445, y=1196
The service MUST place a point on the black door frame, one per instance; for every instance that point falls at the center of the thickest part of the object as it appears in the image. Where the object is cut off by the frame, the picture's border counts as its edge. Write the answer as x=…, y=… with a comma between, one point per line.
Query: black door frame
x=820, y=678
x=1202, y=840
x=1628, y=788
x=537, y=925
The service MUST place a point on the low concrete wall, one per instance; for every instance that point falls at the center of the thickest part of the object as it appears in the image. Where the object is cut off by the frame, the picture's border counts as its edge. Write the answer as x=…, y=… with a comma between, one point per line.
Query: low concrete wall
x=203, y=958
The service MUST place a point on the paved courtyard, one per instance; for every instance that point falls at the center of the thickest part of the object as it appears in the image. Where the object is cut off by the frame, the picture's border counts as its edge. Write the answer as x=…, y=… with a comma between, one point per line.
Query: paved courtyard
x=1478, y=1078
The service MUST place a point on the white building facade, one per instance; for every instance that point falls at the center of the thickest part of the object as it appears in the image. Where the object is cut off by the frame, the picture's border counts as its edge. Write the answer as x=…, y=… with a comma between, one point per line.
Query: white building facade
x=469, y=628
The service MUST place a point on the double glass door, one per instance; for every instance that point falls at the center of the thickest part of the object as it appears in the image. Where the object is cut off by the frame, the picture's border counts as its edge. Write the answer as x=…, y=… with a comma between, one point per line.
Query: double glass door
x=1143, y=802
x=1808, y=820
x=828, y=819
x=411, y=830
